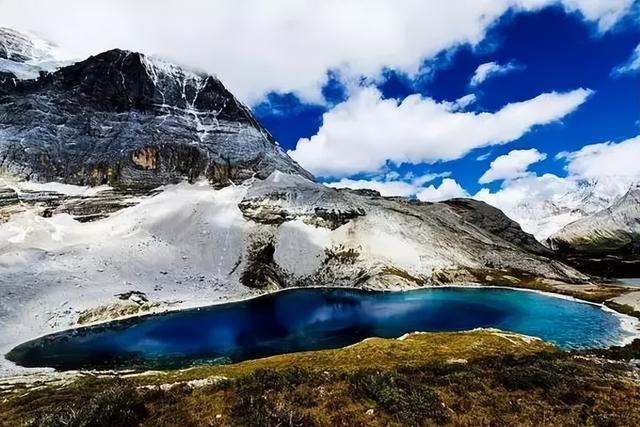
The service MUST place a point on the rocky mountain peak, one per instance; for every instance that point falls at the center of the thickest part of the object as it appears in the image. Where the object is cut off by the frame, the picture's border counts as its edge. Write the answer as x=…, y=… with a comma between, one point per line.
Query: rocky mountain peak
x=127, y=119
x=120, y=80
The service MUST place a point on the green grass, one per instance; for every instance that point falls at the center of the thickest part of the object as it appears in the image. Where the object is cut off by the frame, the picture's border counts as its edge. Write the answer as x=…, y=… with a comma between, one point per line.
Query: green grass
x=375, y=353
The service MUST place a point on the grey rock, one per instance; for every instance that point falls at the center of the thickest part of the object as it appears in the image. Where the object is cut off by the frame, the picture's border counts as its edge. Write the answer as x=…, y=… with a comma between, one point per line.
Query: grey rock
x=495, y=221
x=21, y=47
x=282, y=197
x=81, y=208
x=460, y=240
x=132, y=121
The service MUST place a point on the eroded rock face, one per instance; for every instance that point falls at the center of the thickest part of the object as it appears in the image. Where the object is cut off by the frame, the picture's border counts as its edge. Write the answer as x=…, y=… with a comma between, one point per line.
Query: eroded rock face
x=283, y=197
x=361, y=239
x=82, y=208
x=124, y=119
x=495, y=221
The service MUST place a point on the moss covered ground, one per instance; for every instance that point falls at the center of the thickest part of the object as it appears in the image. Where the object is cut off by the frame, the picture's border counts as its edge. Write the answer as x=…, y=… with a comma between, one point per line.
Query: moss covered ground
x=460, y=379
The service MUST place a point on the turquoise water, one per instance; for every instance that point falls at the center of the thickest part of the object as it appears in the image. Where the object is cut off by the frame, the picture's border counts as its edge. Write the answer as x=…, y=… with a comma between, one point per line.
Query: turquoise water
x=631, y=282
x=312, y=319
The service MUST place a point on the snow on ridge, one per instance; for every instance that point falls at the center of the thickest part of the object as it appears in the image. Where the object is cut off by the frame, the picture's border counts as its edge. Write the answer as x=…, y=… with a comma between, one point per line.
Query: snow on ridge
x=25, y=55
x=22, y=46
x=585, y=197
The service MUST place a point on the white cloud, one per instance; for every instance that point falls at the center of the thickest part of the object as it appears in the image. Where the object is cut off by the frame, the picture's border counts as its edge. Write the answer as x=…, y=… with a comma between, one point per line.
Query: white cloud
x=605, y=12
x=484, y=156
x=631, y=66
x=491, y=69
x=529, y=189
x=544, y=204
x=448, y=189
x=530, y=202
x=364, y=132
x=605, y=159
x=257, y=46
x=390, y=185
x=511, y=165
x=464, y=101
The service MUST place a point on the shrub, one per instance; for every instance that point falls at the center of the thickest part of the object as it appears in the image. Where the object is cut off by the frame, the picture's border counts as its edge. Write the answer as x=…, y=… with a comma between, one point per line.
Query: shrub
x=267, y=398
x=117, y=404
x=410, y=401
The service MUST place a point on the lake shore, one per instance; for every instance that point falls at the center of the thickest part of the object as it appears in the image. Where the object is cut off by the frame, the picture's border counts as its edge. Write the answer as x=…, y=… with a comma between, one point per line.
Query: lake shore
x=628, y=322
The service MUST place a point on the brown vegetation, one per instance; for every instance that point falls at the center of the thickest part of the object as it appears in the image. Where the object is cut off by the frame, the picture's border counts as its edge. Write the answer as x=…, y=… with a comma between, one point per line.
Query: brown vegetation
x=462, y=379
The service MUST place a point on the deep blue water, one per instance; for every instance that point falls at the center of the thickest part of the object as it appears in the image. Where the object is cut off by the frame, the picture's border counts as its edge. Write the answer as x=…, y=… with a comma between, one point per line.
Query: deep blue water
x=311, y=319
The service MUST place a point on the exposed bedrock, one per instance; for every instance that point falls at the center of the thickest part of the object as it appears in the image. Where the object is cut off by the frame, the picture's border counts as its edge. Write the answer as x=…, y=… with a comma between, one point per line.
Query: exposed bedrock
x=356, y=238
x=124, y=119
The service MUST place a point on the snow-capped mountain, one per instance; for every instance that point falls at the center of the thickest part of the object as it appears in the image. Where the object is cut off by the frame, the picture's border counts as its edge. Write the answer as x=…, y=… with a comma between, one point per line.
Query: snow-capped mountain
x=25, y=55
x=611, y=237
x=611, y=229
x=127, y=120
x=546, y=215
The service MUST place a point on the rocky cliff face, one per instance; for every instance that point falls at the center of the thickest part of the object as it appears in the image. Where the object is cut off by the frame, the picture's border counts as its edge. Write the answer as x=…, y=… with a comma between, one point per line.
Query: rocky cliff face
x=496, y=222
x=124, y=119
x=607, y=242
x=380, y=242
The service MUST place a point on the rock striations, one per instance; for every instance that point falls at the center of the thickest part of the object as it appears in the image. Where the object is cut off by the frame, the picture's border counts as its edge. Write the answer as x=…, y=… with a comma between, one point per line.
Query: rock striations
x=127, y=120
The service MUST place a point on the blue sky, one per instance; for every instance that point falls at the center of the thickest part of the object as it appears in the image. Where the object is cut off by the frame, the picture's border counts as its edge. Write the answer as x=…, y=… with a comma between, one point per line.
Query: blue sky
x=551, y=50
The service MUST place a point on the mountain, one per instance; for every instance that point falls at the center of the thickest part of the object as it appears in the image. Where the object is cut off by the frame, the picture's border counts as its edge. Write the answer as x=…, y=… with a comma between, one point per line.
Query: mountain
x=607, y=242
x=544, y=215
x=494, y=220
x=123, y=119
x=131, y=185
x=25, y=56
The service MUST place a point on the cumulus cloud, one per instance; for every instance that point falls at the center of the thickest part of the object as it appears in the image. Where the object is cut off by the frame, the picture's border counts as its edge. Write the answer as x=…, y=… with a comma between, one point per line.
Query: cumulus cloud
x=391, y=184
x=511, y=165
x=491, y=69
x=605, y=159
x=408, y=187
x=364, y=132
x=631, y=66
x=448, y=189
x=258, y=46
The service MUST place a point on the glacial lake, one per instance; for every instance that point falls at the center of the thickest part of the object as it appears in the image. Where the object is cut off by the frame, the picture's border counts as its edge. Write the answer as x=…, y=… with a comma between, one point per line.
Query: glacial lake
x=313, y=319
x=631, y=282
